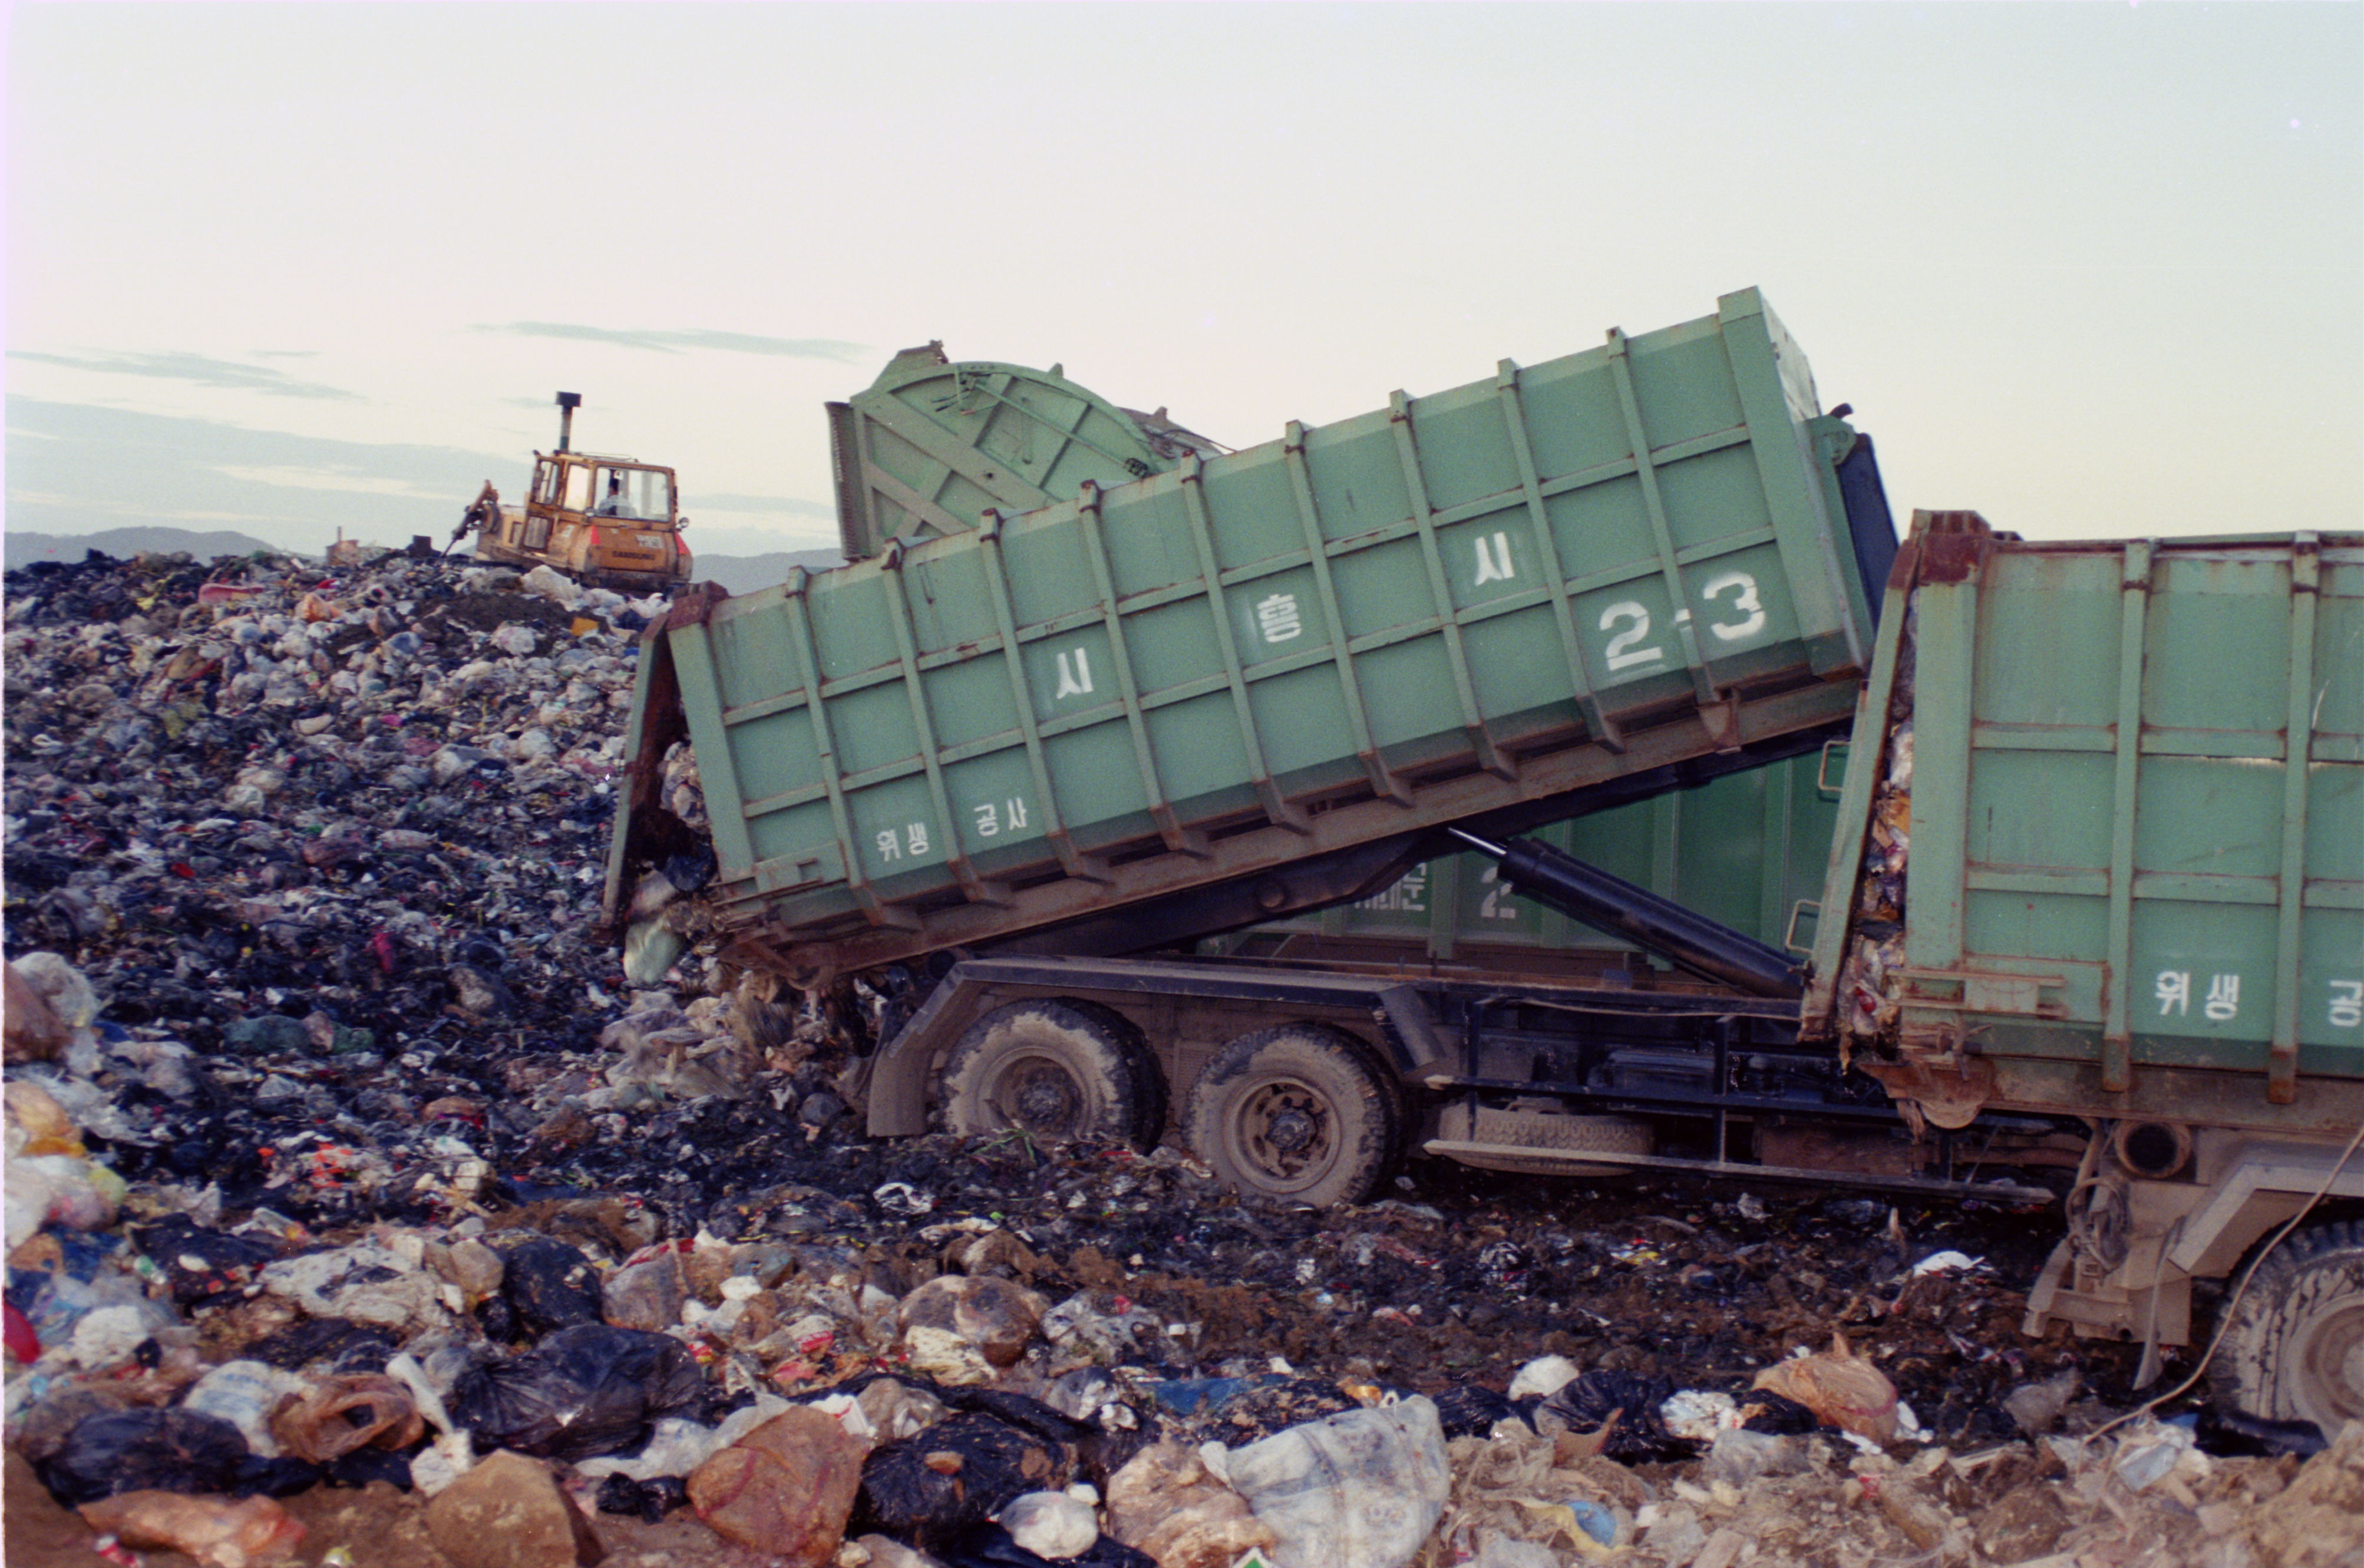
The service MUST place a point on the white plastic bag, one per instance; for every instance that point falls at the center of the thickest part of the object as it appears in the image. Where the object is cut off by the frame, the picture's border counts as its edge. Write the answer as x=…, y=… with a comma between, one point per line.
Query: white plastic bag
x=1357, y=1490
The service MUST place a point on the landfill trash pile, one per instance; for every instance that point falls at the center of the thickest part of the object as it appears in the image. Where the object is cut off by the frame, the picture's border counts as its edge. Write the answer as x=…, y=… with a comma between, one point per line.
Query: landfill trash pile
x=362, y=1209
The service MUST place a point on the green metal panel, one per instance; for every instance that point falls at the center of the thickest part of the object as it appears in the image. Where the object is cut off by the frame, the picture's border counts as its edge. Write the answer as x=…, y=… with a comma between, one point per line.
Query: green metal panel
x=1746, y=850
x=2137, y=807
x=932, y=445
x=1491, y=595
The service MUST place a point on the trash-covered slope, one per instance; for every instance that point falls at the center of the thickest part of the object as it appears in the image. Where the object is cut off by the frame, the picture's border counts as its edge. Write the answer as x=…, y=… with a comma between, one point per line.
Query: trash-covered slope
x=341, y=1157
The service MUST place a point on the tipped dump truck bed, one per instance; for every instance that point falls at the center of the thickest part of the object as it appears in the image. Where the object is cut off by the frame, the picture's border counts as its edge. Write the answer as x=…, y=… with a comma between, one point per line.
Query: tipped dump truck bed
x=1556, y=578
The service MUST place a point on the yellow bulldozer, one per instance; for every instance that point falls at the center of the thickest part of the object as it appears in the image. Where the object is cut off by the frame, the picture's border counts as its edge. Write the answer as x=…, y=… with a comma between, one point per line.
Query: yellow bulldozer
x=605, y=521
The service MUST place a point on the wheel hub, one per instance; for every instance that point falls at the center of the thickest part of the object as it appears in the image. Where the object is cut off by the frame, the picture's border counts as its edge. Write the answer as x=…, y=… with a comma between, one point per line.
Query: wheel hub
x=1285, y=1129
x=1041, y=1099
x=1290, y=1131
x=2334, y=1363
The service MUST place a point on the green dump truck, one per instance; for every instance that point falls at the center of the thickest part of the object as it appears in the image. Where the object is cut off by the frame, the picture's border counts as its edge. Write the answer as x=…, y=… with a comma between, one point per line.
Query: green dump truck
x=2090, y=914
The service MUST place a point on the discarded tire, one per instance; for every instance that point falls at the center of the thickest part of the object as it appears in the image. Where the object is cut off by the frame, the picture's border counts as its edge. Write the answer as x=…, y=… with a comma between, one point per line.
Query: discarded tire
x=2294, y=1349
x=1057, y=1069
x=1301, y=1113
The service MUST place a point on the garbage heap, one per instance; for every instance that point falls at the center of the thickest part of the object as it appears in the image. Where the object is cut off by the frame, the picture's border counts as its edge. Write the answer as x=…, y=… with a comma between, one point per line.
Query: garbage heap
x=358, y=1210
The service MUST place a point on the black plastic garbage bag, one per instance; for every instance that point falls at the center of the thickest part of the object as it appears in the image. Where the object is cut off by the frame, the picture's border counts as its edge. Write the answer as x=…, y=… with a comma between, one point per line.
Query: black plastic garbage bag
x=281, y=1477
x=1261, y=1409
x=584, y=1391
x=1641, y=1436
x=368, y=1464
x=1470, y=1409
x=328, y=1346
x=1020, y=1410
x=651, y=1499
x=1767, y=1411
x=926, y=1489
x=144, y=1449
x=548, y=1285
x=201, y=1265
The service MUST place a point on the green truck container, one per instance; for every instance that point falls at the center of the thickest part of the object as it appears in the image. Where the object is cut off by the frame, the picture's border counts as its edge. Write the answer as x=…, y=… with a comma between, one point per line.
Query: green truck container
x=2114, y=835
x=1748, y=849
x=1627, y=560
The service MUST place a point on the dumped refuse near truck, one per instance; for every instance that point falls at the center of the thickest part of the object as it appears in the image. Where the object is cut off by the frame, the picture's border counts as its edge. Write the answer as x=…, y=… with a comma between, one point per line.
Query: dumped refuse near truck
x=605, y=521
x=1241, y=686
x=2090, y=915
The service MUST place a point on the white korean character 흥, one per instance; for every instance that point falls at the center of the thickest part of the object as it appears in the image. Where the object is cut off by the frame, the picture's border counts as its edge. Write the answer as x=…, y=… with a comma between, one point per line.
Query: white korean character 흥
x=1279, y=617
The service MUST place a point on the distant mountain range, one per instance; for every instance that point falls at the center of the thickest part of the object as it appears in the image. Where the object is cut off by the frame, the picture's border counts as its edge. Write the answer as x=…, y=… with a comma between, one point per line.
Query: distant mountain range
x=740, y=573
x=745, y=574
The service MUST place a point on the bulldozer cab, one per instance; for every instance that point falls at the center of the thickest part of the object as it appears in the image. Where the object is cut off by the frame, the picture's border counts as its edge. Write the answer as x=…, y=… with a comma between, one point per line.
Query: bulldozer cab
x=605, y=521
x=570, y=487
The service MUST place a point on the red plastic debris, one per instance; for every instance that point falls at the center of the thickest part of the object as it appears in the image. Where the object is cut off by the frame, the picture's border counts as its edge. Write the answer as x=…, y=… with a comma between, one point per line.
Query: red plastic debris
x=23, y=1343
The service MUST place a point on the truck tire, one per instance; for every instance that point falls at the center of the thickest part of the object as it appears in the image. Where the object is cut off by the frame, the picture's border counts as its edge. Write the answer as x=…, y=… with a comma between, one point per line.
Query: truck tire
x=1059, y=1069
x=2295, y=1347
x=1302, y=1112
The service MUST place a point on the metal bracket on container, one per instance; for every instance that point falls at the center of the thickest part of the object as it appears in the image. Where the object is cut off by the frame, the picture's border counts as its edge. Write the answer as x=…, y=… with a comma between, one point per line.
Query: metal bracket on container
x=1984, y=991
x=793, y=873
x=1804, y=909
x=1721, y=719
x=1823, y=785
x=1950, y=1088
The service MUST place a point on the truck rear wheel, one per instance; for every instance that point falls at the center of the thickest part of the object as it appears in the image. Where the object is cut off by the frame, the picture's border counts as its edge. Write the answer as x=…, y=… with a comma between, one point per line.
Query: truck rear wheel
x=1300, y=1112
x=1059, y=1069
x=2295, y=1348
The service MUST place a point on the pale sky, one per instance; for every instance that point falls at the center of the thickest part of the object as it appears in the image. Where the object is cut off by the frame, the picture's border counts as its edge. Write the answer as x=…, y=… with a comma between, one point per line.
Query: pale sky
x=2092, y=270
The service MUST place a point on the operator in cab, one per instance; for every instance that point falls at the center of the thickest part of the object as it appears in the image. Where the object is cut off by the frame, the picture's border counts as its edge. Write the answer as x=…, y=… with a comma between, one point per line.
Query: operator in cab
x=612, y=504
